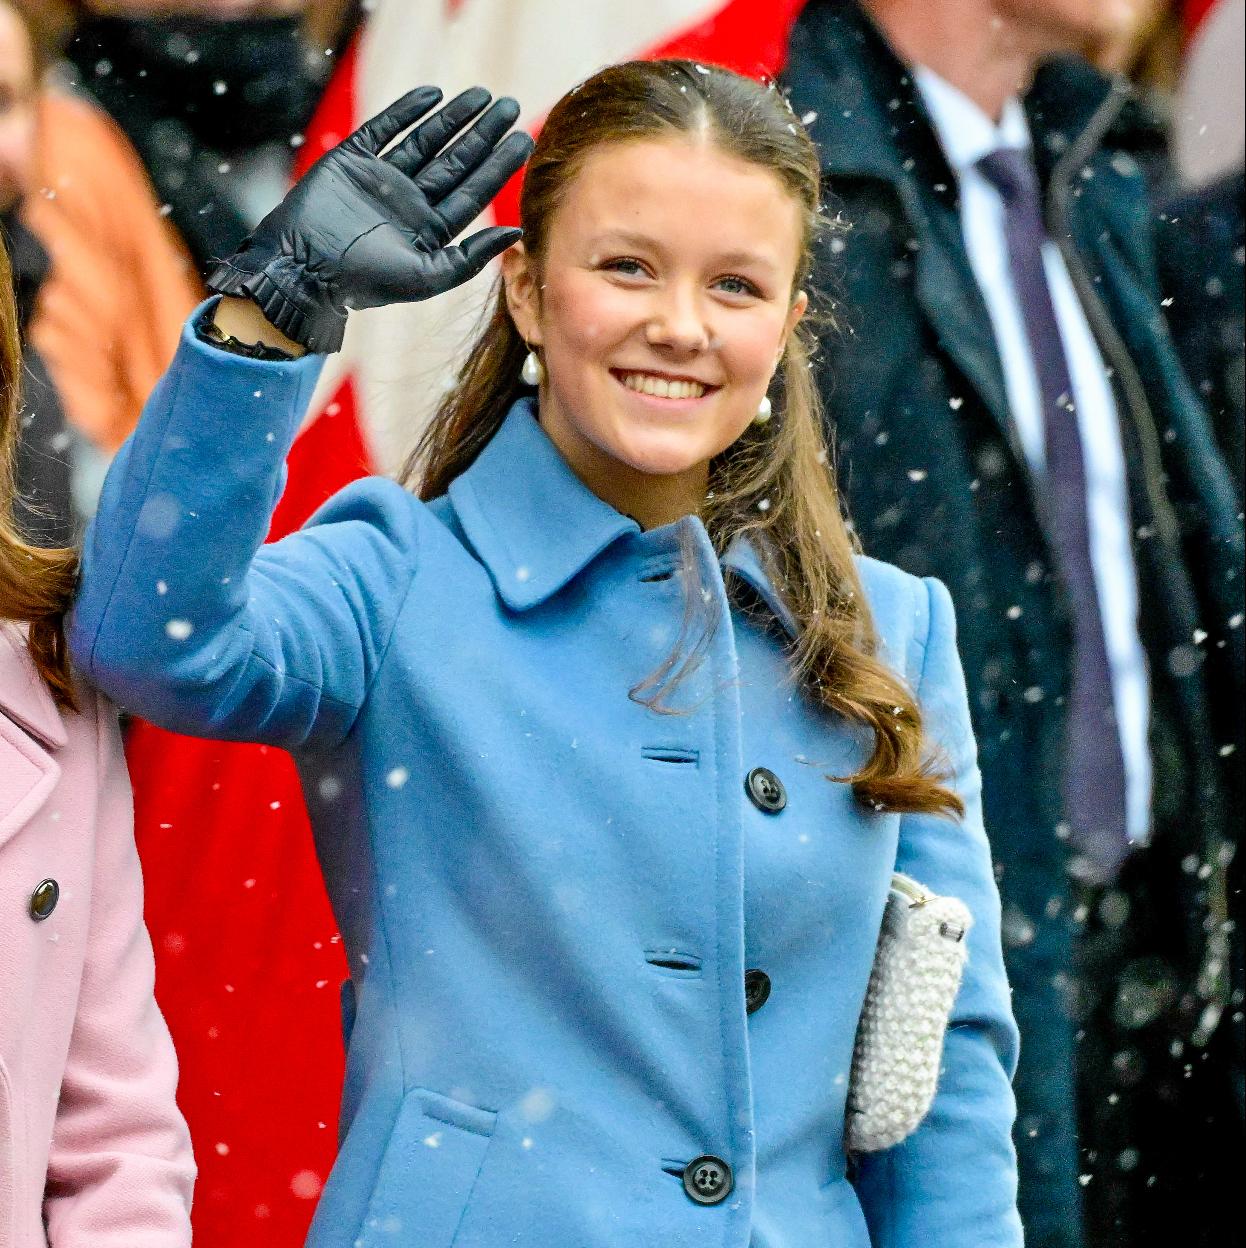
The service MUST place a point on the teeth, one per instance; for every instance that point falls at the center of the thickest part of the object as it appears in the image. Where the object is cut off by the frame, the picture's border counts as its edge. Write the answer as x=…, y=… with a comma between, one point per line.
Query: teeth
x=660, y=387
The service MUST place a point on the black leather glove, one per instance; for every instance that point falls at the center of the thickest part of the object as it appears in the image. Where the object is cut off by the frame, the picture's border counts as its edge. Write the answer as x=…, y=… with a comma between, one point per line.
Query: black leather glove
x=363, y=229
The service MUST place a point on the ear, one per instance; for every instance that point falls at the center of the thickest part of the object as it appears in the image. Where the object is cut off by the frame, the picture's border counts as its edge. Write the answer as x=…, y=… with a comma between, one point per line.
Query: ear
x=523, y=296
x=800, y=305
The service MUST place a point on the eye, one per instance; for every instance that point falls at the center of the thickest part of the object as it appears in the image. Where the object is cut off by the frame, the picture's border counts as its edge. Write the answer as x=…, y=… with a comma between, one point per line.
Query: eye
x=733, y=284
x=626, y=266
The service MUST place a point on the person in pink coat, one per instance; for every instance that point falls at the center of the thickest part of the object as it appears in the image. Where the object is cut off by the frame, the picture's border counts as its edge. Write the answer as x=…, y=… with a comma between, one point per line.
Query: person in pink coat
x=94, y=1152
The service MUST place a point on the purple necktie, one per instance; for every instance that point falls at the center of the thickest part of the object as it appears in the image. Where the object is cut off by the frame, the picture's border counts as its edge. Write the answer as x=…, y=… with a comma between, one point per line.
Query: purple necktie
x=1094, y=779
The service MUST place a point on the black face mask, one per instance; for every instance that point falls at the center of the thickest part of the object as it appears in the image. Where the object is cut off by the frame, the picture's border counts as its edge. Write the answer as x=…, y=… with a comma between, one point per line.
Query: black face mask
x=235, y=84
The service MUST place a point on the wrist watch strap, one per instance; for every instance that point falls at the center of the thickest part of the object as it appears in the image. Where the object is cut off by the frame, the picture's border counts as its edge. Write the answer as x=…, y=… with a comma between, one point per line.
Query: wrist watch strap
x=206, y=330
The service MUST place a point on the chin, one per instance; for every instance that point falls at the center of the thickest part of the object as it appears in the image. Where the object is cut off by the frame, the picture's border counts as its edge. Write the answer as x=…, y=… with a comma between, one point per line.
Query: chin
x=660, y=456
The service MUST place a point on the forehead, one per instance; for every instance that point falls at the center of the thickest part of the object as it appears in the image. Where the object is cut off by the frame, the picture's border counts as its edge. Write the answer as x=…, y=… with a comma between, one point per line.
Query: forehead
x=684, y=193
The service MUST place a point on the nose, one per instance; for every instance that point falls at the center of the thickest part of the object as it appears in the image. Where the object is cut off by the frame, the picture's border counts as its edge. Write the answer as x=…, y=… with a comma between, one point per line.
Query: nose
x=678, y=324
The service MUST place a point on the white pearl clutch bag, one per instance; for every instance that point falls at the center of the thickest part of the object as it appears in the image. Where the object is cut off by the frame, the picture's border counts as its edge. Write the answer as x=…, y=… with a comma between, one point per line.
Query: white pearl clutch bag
x=917, y=972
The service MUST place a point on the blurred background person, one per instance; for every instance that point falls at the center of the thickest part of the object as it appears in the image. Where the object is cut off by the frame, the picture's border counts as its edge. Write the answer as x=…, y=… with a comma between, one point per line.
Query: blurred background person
x=1200, y=237
x=1209, y=112
x=1141, y=41
x=43, y=505
x=1189, y=65
x=214, y=95
x=115, y=283
x=119, y=281
x=1011, y=416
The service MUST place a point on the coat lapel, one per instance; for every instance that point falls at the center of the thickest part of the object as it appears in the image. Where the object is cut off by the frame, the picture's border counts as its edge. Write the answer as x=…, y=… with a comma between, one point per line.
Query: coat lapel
x=838, y=55
x=30, y=728
x=743, y=560
x=952, y=303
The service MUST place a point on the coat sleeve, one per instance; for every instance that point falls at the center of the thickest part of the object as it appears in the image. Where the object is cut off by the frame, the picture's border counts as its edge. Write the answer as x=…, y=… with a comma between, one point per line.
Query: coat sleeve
x=120, y=1169
x=956, y=1175
x=184, y=617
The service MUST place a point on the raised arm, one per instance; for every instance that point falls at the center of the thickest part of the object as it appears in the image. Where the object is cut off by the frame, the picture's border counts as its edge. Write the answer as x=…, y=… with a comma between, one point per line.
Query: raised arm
x=954, y=1181
x=183, y=615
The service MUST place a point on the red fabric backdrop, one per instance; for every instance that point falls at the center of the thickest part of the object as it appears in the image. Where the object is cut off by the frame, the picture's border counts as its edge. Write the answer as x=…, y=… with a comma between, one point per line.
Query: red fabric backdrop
x=1194, y=11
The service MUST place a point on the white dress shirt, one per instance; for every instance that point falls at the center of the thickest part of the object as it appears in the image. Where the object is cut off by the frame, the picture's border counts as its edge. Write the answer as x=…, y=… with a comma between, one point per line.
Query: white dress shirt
x=966, y=134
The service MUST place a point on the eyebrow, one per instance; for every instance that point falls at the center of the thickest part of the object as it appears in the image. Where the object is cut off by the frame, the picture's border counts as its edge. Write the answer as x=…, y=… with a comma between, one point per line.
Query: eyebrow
x=629, y=238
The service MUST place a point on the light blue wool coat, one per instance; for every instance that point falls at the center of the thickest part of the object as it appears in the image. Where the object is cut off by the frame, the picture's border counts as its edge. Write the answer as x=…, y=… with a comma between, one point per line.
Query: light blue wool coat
x=512, y=844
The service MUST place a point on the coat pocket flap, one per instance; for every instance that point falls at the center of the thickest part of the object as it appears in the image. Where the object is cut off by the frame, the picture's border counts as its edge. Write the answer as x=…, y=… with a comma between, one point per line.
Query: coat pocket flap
x=427, y=1174
x=456, y=1113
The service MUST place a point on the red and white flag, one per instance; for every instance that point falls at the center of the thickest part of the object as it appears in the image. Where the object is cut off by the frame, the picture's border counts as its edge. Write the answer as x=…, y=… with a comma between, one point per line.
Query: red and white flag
x=1209, y=114
x=248, y=960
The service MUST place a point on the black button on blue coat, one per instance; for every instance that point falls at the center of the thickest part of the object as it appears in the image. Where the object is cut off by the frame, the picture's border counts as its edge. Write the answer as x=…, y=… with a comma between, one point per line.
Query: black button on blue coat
x=708, y=1180
x=765, y=790
x=756, y=990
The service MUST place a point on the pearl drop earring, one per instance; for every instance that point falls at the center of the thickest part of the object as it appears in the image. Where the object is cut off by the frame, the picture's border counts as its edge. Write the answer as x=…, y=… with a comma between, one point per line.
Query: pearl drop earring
x=764, y=411
x=533, y=371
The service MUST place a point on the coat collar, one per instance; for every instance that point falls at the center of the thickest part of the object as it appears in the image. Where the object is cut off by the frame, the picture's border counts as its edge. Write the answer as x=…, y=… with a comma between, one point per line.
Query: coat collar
x=743, y=558
x=535, y=525
x=531, y=520
x=24, y=697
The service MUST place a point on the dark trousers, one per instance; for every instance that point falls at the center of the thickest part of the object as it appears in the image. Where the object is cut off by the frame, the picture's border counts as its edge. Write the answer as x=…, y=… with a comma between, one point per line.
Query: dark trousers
x=1162, y=1139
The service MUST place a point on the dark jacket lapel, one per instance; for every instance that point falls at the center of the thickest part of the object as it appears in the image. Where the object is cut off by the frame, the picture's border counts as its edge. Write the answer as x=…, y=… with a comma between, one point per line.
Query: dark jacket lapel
x=893, y=140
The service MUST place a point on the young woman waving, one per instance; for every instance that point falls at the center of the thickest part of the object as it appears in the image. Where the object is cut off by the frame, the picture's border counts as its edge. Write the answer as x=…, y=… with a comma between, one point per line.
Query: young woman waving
x=610, y=740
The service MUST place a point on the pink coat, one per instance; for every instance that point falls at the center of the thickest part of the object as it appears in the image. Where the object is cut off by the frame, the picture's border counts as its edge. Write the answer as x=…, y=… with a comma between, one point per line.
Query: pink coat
x=92, y=1145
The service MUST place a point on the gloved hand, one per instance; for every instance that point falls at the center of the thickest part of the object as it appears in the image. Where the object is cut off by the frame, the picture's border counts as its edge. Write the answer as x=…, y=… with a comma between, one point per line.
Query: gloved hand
x=363, y=229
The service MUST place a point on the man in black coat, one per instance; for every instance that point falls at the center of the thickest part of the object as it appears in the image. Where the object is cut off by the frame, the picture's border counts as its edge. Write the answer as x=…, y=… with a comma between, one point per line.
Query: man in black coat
x=1118, y=969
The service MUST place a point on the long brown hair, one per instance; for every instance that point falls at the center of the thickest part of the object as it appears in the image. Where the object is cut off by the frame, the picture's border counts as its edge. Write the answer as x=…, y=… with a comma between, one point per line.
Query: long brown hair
x=36, y=585
x=775, y=482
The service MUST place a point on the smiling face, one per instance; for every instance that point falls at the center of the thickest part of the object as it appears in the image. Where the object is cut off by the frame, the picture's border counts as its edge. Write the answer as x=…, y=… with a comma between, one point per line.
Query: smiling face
x=660, y=312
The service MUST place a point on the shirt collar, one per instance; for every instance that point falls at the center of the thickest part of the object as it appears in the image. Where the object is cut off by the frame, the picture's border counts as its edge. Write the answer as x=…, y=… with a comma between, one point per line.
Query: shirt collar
x=535, y=525
x=965, y=132
x=23, y=695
